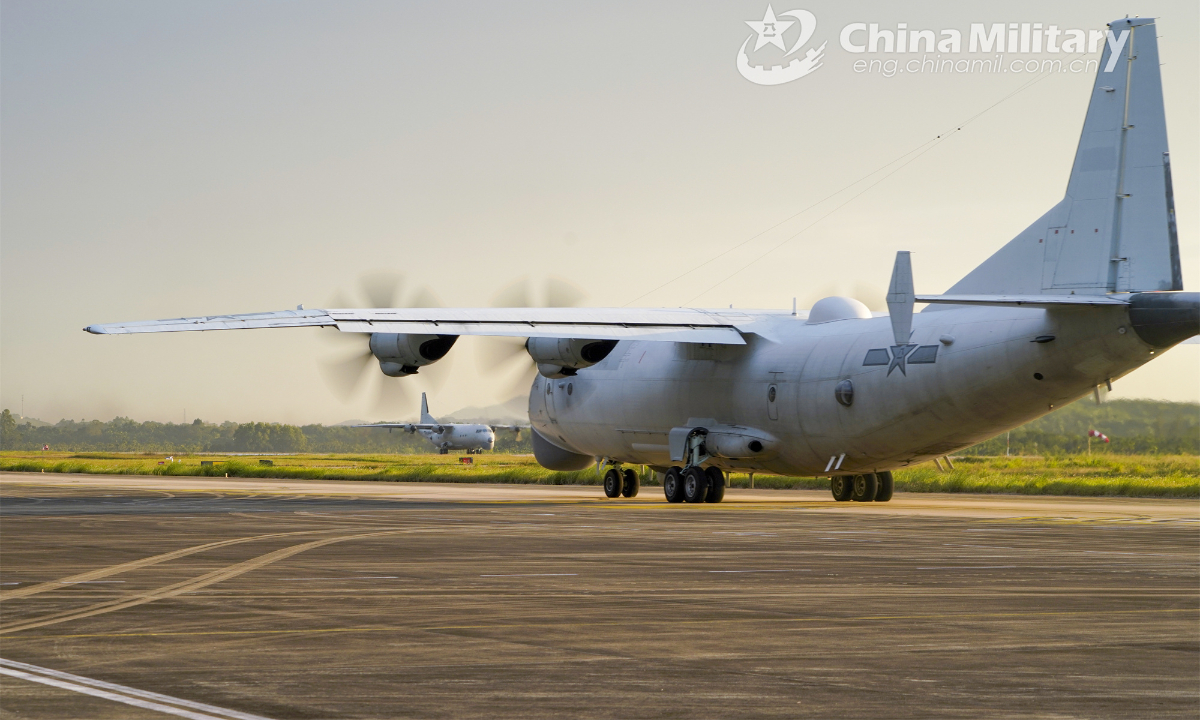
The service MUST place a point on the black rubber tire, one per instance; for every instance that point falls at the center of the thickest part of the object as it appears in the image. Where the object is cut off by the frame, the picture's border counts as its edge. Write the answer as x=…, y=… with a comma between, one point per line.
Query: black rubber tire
x=613, y=483
x=695, y=484
x=633, y=483
x=673, y=485
x=865, y=487
x=886, y=486
x=716, y=485
x=841, y=486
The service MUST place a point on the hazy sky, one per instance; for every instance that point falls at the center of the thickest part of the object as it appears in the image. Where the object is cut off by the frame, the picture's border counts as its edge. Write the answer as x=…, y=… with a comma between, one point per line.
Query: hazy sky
x=169, y=159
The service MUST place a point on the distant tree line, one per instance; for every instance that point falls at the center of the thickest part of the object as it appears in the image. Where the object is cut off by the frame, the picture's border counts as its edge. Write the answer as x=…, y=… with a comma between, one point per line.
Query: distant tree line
x=1134, y=427
x=125, y=435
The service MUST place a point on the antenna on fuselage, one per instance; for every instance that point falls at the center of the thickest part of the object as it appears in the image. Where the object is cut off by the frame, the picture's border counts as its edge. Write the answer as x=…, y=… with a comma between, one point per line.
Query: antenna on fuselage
x=900, y=298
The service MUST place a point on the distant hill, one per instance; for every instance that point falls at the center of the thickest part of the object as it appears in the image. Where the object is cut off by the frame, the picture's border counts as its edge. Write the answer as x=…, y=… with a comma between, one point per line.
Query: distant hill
x=21, y=420
x=512, y=412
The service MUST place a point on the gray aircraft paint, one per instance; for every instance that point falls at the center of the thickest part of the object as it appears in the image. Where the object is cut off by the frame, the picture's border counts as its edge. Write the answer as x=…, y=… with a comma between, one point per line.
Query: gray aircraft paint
x=1112, y=233
x=1067, y=305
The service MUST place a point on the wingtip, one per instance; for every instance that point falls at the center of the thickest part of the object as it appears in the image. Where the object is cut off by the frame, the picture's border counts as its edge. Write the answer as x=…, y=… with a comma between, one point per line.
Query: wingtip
x=94, y=329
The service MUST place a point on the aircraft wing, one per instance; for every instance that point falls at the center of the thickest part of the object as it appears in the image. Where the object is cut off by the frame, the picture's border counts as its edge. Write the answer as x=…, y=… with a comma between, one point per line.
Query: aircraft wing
x=403, y=426
x=661, y=324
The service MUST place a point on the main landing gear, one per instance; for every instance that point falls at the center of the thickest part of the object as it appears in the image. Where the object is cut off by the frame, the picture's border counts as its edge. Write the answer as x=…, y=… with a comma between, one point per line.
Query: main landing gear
x=869, y=487
x=694, y=484
x=621, y=483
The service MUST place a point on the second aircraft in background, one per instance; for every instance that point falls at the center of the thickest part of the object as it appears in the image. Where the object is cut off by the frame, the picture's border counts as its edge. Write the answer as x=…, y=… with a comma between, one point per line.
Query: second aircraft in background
x=471, y=438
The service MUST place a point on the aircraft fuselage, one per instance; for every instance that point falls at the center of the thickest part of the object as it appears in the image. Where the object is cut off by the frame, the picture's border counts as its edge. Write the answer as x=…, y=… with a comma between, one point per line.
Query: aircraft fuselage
x=974, y=372
x=461, y=437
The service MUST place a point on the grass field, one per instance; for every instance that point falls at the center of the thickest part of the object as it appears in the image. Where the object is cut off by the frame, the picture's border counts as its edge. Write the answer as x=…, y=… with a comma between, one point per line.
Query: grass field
x=1101, y=474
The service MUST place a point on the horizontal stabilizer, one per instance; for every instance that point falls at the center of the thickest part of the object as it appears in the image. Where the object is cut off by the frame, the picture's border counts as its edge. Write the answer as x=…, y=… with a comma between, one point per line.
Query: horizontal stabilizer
x=1026, y=300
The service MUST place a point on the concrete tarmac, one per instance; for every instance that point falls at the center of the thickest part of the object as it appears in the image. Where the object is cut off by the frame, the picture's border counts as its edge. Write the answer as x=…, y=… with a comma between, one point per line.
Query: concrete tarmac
x=294, y=599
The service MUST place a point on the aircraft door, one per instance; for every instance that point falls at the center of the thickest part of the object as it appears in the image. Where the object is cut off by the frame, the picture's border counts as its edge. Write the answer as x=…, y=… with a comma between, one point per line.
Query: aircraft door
x=772, y=401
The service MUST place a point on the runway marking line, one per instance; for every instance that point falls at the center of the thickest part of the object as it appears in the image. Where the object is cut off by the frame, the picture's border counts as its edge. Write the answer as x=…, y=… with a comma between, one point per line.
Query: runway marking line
x=429, y=628
x=93, y=575
x=184, y=586
x=122, y=694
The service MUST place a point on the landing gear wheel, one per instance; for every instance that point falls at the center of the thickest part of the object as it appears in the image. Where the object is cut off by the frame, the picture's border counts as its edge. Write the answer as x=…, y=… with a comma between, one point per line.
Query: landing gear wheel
x=886, y=483
x=673, y=485
x=865, y=487
x=695, y=484
x=632, y=484
x=841, y=486
x=443, y=451
x=613, y=483
x=716, y=485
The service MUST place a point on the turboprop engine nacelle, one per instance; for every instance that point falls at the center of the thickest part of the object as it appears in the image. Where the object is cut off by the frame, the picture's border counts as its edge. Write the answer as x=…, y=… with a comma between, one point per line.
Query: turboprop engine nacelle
x=400, y=354
x=563, y=357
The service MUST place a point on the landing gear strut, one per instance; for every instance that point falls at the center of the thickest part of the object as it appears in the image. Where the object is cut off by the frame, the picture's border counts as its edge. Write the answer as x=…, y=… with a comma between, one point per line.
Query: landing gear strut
x=695, y=483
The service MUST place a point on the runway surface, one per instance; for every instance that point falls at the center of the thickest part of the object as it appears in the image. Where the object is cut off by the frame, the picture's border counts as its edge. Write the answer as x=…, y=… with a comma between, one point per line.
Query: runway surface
x=140, y=597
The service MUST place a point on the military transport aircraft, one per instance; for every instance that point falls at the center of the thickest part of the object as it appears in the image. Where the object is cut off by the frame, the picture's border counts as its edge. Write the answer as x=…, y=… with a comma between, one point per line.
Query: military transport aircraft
x=468, y=437
x=1084, y=295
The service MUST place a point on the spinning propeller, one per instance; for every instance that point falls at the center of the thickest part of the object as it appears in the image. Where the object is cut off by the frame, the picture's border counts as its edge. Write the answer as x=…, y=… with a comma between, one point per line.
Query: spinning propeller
x=355, y=367
x=507, y=355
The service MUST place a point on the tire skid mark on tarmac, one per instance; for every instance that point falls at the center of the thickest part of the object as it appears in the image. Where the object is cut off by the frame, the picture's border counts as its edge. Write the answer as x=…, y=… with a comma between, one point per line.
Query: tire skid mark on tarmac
x=185, y=586
x=144, y=562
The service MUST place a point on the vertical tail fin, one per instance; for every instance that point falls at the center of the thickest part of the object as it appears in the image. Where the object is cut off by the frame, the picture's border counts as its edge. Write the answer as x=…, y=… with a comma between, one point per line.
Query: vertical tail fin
x=1114, y=231
x=426, y=418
